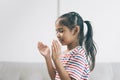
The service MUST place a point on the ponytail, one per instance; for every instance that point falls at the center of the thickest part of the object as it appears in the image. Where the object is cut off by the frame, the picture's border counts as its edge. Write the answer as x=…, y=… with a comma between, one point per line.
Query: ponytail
x=90, y=46
x=72, y=19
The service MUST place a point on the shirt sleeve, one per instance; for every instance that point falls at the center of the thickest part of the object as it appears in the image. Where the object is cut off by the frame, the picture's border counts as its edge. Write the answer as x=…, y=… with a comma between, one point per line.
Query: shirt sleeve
x=78, y=68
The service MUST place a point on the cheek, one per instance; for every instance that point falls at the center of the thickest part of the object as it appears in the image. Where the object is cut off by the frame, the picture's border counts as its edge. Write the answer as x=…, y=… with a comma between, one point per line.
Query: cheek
x=67, y=38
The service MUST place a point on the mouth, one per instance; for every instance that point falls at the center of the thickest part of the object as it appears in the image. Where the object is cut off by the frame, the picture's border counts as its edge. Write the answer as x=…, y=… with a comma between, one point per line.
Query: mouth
x=61, y=40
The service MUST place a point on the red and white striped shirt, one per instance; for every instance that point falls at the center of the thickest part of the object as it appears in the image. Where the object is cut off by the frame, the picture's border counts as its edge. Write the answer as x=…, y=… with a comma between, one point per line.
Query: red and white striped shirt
x=76, y=64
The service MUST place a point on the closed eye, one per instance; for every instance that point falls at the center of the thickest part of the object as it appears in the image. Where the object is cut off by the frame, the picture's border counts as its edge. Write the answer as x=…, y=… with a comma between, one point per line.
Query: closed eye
x=60, y=30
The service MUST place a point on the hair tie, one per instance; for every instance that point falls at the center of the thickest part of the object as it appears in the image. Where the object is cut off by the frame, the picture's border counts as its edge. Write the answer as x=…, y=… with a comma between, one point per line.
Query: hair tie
x=76, y=20
x=85, y=27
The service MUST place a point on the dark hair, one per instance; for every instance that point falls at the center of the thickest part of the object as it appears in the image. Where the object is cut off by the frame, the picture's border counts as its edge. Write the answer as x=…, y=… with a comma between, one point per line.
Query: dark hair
x=73, y=19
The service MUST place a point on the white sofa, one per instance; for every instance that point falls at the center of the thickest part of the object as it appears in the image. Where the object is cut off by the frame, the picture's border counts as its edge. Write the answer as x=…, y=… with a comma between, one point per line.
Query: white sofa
x=38, y=71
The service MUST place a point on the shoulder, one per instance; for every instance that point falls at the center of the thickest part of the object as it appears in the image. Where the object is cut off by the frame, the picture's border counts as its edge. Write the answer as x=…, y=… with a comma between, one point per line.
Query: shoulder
x=79, y=50
x=79, y=55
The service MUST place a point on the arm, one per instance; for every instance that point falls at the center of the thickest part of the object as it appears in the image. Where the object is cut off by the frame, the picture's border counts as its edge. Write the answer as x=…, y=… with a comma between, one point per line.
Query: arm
x=56, y=50
x=45, y=51
x=50, y=68
x=62, y=72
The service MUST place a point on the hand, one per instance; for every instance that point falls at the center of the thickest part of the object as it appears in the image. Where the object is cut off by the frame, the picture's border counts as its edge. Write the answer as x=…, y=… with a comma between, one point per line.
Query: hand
x=43, y=49
x=56, y=50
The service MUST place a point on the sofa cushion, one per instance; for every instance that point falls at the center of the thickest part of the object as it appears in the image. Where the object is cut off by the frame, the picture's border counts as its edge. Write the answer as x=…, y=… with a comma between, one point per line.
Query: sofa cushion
x=23, y=71
x=38, y=71
x=116, y=71
x=102, y=71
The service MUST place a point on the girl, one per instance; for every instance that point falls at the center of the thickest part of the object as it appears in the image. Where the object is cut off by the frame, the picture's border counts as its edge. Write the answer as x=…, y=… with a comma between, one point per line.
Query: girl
x=78, y=60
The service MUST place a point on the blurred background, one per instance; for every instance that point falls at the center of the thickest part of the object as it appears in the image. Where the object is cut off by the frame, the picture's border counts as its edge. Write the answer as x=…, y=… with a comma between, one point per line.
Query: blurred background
x=25, y=22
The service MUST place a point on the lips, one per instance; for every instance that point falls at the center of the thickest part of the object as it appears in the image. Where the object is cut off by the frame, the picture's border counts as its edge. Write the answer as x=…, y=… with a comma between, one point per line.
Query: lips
x=61, y=40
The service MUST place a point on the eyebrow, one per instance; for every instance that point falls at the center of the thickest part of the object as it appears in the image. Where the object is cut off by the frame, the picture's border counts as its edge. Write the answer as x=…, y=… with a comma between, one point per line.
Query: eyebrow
x=59, y=29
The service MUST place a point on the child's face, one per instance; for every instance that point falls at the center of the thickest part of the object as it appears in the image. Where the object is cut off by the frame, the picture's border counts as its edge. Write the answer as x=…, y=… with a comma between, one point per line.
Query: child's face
x=64, y=34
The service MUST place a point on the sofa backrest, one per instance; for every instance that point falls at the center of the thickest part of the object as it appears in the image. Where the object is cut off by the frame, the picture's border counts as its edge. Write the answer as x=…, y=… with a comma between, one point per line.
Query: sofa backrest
x=38, y=71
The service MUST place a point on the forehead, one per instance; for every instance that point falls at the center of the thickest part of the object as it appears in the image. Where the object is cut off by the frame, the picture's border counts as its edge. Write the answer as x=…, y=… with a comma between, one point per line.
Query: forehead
x=58, y=23
x=57, y=26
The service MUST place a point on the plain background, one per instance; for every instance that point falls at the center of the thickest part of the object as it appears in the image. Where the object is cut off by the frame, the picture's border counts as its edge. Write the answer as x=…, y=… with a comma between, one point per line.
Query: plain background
x=25, y=22
x=105, y=18
x=22, y=24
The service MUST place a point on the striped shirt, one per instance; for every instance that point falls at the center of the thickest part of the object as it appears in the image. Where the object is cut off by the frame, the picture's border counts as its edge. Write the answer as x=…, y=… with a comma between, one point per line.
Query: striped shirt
x=76, y=64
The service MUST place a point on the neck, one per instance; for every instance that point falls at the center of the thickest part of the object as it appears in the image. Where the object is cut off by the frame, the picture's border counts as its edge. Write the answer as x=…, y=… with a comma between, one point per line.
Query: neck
x=72, y=45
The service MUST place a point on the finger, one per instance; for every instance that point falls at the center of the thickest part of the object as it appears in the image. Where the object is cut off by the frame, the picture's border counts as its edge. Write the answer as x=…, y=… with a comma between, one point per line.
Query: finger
x=57, y=45
x=52, y=46
x=53, y=43
x=39, y=44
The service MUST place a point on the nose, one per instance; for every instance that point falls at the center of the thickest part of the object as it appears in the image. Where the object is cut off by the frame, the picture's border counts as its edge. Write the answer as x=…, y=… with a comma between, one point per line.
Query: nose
x=58, y=35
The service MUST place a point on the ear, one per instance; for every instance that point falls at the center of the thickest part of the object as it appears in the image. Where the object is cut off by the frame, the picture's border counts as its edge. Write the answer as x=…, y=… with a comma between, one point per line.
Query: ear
x=76, y=30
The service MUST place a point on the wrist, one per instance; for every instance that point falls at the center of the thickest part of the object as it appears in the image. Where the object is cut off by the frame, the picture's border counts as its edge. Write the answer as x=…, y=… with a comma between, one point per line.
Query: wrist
x=47, y=57
x=56, y=60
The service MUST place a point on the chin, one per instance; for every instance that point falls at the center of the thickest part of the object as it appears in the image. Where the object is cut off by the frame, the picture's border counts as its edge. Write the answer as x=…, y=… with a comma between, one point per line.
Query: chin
x=62, y=43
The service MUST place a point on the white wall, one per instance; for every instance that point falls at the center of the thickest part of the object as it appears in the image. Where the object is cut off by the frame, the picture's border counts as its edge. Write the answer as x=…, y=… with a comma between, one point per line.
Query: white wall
x=105, y=18
x=22, y=24
x=25, y=22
